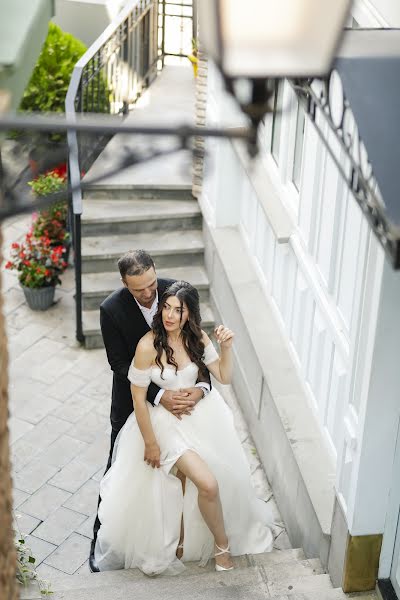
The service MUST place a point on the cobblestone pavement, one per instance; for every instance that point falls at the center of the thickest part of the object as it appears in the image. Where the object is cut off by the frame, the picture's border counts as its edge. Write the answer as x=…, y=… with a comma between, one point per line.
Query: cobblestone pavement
x=59, y=396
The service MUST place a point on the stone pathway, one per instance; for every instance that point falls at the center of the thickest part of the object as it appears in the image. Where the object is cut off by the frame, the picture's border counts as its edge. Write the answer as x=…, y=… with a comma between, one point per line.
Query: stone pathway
x=59, y=395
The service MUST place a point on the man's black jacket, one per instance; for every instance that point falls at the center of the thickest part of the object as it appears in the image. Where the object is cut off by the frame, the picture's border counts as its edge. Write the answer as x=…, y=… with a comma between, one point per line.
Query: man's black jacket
x=123, y=325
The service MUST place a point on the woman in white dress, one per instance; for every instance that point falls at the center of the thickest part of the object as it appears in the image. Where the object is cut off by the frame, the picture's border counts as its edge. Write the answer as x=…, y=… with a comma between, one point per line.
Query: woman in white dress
x=179, y=487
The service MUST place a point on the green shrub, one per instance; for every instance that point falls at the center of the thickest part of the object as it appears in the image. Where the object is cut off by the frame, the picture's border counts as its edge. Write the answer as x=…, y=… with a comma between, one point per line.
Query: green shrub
x=48, y=86
x=49, y=82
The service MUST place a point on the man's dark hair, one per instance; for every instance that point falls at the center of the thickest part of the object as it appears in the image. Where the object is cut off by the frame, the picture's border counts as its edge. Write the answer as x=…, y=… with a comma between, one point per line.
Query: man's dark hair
x=135, y=262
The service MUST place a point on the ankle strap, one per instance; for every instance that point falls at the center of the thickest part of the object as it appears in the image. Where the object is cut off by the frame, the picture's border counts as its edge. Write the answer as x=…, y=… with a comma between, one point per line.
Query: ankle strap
x=222, y=551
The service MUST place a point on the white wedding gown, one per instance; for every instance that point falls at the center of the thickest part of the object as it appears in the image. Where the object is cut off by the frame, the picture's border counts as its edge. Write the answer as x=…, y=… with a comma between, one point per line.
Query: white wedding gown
x=141, y=507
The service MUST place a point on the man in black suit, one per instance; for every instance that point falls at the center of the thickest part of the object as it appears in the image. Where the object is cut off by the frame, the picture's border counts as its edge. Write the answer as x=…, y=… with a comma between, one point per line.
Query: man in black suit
x=125, y=317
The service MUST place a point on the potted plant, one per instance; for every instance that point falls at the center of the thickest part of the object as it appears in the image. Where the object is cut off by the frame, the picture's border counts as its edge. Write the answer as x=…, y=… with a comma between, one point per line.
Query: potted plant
x=52, y=222
x=39, y=265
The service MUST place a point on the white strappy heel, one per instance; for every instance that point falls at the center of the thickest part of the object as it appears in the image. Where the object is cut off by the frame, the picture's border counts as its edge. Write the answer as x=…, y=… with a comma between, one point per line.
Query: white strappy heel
x=222, y=551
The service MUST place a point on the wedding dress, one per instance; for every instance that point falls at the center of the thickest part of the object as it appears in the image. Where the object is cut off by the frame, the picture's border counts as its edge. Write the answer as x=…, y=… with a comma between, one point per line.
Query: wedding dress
x=141, y=507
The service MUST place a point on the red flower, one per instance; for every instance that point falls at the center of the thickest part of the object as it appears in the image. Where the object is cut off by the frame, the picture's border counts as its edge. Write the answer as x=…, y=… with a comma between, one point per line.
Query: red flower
x=15, y=245
x=27, y=263
x=9, y=265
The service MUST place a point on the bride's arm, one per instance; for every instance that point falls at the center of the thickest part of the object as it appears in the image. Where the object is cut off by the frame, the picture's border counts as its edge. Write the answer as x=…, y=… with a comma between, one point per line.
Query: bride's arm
x=219, y=366
x=143, y=360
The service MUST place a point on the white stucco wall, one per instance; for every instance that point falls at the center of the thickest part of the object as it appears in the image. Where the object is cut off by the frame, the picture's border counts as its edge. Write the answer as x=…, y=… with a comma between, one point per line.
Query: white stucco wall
x=325, y=273
x=86, y=19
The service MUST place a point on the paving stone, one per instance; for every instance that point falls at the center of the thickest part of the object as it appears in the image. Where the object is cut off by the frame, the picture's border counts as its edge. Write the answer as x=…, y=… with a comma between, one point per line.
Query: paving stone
x=25, y=524
x=85, y=499
x=39, y=353
x=98, y=476
x=86, y=528
x=31, y=477
x=97, y=453
x=89, y=427
x=71, y=554
x=12, y=299
x=59, y=525
x=73, y=475
x=40, y=548
x=21, y=454
x=75, y=408
x=62, y=451
x=18, y=428
x=46, y=432
x=45, y=501
x=84, y=569
x=34, y=405
x=91, y=364
x=99, y=387
x=48, y=371
x=19, y=497
x=28, y=336
x=49, y=573
x=66, y=385
x=21, y=315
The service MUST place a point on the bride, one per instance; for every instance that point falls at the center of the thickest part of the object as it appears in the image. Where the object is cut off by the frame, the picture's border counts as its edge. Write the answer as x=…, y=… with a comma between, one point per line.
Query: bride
x=179, y=487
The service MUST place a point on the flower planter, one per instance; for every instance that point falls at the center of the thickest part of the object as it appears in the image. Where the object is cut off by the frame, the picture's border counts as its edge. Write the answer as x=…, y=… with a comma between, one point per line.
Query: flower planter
x=39, y=298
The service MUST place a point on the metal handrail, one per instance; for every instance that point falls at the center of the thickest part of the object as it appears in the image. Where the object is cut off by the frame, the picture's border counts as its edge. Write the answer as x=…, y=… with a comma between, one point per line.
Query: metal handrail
x=96, y=86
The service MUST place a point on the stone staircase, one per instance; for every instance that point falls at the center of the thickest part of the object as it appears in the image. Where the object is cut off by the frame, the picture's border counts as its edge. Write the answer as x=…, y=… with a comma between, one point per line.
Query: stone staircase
x=164, y=220
x=279, y=575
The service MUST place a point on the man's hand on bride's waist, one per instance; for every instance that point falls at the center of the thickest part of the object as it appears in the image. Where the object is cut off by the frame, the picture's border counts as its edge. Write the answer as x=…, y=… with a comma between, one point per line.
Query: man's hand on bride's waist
x=181, y=402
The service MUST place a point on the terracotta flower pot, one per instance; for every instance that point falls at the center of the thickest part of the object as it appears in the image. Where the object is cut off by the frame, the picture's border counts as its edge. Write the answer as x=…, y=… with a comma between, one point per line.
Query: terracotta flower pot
x=39, y=298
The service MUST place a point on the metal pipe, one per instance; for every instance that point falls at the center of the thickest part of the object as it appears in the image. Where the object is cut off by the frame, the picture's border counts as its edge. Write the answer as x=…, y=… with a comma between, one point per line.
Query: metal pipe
x=78, y=278
x=113, y=125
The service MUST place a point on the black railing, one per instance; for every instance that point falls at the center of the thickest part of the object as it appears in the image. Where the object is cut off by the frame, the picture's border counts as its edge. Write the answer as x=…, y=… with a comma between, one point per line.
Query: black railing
x=110, y=78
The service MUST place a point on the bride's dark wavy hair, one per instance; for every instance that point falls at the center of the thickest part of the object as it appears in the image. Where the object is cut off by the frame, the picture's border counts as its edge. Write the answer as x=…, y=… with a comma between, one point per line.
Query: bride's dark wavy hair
x=191, y=331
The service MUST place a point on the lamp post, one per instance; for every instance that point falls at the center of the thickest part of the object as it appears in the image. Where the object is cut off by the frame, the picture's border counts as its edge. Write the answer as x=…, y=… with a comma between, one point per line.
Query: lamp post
x=257, y=41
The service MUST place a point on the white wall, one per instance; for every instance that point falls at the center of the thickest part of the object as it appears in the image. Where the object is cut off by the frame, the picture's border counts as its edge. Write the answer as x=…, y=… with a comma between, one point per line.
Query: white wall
x=86, y=19
x=377, y=13
x=324, y=283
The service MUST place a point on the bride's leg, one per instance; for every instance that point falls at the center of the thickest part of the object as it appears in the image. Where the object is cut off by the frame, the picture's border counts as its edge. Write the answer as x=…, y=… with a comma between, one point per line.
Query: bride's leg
x=194, y=467
x=179, y=550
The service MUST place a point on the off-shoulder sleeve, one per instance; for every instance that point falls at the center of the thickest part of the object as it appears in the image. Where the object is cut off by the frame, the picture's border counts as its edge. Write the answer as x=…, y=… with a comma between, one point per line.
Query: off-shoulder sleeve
x=139, y=377
x=210, y=354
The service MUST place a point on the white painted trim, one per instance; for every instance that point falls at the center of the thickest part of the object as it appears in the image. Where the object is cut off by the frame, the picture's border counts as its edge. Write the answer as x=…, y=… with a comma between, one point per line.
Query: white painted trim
x=327, y=305
x=259, y=178
x=392, y=518
x=367, y=15
x=265, y=335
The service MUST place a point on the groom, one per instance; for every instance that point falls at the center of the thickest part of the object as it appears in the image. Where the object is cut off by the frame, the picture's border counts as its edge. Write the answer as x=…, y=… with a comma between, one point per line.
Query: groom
x=125, y=317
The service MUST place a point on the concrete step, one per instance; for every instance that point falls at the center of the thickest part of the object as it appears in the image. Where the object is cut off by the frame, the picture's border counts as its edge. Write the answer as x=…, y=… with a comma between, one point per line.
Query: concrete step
x=276, y=558
x=169, y=249
x=129, y=216
x=97, y=286
x=286, y=571
x=129, y=191
x=299, y=585
x=199, y=583
x=239, y=584
x=92, y=332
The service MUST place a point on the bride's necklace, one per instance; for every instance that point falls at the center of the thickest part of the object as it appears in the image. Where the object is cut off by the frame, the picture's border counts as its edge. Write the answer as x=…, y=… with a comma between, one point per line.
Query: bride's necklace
x=178, y=349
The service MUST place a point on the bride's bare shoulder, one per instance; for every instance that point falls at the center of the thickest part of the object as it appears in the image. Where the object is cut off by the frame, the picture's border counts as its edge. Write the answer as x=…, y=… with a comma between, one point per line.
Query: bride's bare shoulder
x=204, y=338
x=146, y=344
